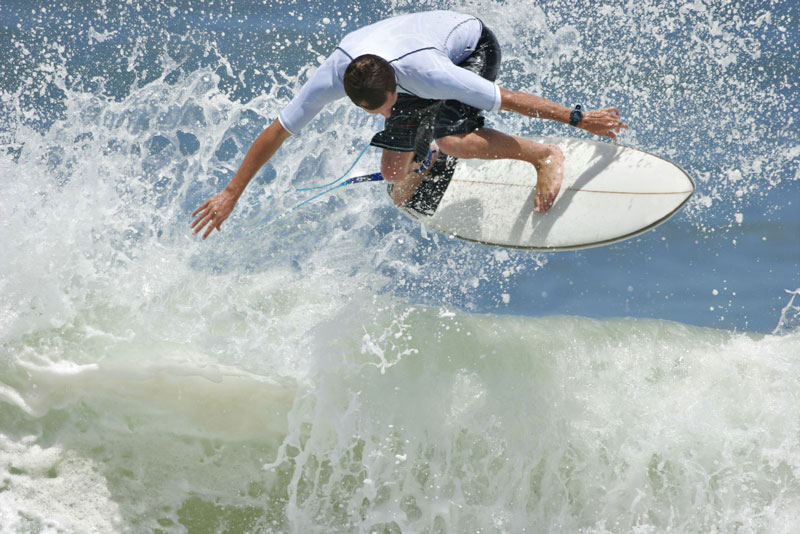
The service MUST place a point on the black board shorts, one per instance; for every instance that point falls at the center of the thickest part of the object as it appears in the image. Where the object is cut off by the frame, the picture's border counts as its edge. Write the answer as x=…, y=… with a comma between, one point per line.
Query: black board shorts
x=415, y=122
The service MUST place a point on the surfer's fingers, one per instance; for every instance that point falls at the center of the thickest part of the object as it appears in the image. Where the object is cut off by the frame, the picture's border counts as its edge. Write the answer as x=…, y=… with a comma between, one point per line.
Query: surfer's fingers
x=201, y=219
x=215, y=223
x=209, y=230
x=203, y=206
x=204, y=219
x=210, y=227
x=612, y=111
x=197, y=220
x=200, y=214
x=199, y=224
x=616, y=125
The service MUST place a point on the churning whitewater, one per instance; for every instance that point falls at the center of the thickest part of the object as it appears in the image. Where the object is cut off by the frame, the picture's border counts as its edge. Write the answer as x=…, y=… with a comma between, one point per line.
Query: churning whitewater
x=341, y=368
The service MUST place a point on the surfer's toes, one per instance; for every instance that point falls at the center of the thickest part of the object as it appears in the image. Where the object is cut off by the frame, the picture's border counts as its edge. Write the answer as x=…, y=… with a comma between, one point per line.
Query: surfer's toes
x=542, y=202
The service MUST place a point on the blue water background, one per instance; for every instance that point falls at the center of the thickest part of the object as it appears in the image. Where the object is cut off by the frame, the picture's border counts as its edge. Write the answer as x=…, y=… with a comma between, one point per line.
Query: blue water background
x=700, y=268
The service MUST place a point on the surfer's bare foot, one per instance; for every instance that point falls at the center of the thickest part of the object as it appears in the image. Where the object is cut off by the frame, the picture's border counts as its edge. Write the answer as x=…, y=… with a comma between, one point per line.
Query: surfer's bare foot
x=550, y=172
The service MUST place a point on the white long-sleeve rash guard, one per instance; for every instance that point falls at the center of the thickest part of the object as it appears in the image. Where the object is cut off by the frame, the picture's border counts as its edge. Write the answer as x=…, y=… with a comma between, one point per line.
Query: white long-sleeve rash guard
x=423, y=48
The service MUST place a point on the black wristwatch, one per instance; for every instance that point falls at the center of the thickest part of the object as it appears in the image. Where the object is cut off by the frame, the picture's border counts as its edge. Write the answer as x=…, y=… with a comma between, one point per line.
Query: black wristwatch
x=575, y=116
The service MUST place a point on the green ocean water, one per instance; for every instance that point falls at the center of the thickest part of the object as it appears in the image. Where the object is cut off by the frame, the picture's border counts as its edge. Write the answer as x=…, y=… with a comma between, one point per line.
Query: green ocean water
x=422, y=420
x=343, y=370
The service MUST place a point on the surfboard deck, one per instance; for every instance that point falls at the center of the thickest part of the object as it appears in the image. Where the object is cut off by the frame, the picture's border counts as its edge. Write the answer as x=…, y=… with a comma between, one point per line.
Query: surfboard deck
x=609, y=193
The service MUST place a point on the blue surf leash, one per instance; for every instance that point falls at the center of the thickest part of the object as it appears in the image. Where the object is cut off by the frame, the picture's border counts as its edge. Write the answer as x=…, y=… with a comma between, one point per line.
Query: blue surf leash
x=374, y=177
x=337, y=183
x=363, y=150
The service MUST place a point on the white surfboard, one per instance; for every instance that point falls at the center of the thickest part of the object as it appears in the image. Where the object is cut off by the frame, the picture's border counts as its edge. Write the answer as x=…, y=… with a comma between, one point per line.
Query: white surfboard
x=609, y=193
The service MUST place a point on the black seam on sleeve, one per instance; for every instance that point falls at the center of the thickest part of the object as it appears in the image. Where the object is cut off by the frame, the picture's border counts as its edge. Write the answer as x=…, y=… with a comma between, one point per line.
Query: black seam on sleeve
x=413, y=52
x=456, y=27
x=345, y=53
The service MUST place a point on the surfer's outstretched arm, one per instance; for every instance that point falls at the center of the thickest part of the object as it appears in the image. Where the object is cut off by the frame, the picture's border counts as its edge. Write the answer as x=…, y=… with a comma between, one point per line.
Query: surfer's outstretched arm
x=599, y=122
x=216, y=209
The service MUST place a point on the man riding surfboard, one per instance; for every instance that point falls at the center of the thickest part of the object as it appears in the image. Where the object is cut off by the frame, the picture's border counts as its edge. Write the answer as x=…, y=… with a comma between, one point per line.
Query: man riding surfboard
x=431, y=74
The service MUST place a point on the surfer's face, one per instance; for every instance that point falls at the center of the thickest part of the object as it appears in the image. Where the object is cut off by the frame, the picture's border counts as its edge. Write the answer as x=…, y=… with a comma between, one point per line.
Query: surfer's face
x=386, y=108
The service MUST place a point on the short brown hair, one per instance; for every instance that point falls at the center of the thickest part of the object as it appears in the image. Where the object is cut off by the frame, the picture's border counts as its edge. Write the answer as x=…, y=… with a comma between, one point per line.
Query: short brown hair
x=367, y=79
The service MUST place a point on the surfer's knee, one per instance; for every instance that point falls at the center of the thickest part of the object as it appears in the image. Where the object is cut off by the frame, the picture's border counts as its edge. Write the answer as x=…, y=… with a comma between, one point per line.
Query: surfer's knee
x=395, y=165
x=394, y=173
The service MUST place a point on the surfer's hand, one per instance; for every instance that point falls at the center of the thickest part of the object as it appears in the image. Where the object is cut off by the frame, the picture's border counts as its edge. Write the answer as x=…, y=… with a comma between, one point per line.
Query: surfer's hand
x=602, y=122
x=213, y=212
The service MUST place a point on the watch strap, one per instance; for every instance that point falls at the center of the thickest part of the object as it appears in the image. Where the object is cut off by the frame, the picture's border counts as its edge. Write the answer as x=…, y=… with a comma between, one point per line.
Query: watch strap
x=575, y=116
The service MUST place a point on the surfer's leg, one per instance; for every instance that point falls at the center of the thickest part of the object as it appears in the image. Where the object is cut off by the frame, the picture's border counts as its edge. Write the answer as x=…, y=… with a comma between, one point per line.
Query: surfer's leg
x=395, y=165
x=459, y=130
x=407, y=135
x=485, y=143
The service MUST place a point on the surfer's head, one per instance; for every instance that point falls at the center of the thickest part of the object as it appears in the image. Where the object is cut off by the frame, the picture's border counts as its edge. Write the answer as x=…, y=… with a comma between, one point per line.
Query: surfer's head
x=370, y=83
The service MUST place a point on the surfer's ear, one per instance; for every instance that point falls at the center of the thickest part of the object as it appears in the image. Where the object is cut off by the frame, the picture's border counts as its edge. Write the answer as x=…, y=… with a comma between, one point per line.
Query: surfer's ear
x=367, y=80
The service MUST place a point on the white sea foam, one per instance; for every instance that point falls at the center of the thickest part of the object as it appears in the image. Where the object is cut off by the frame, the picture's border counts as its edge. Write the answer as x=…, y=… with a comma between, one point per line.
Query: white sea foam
x=335, y=369
x=572, y=425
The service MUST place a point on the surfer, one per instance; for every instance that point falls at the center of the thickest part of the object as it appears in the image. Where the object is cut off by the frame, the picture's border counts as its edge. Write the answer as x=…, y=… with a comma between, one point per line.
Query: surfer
x=431, y=74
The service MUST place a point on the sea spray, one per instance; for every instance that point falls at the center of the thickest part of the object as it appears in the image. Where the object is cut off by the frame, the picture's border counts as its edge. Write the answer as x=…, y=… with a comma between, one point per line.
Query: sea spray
x=344, y=370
